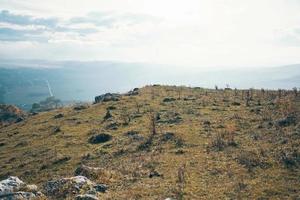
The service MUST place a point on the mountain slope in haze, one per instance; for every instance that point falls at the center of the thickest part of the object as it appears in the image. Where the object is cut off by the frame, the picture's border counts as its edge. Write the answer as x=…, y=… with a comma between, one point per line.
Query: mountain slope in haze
x=167, y=141
x=25, y=82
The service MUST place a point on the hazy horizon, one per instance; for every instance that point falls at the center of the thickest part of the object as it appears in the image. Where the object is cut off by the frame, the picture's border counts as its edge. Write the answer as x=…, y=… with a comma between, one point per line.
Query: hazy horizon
x=189, y=34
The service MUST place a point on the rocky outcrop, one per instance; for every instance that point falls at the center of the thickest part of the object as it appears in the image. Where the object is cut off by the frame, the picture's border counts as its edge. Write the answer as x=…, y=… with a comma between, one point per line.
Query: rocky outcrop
x=10, y=184
x=74, y=187
x=13, y=188
x=133, y=92
x=10, y=114
x=107, y=97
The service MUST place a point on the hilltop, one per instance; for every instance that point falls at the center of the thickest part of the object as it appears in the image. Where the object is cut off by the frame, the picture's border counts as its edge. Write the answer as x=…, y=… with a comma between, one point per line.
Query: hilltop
x=161, y=142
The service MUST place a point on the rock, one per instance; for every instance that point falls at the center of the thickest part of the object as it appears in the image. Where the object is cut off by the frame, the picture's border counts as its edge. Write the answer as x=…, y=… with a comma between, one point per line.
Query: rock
x=80, y=107
x=86, y=197
x=235, y=103
x=56, y=129
x=101, y=187
x=19, y=196
x=11, y=114
x=206, y=122
x=112, y=126
x=154, y=174
x=10, y=184
x=133, y=92
x=190, y=98
x=131, y=133
x=15, y=189
x=168, y=99
x=67, y=186
x=107, y=97
x=167, y=136
x=58, y=116
x=107, y=115
x=100, y=138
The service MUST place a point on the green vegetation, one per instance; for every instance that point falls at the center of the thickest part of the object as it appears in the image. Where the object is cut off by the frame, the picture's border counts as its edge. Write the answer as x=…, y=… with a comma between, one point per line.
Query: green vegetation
x=167, y=141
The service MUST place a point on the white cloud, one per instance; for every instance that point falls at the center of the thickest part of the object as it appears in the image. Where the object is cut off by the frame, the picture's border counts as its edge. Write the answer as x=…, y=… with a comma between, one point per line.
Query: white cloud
x=182, y=32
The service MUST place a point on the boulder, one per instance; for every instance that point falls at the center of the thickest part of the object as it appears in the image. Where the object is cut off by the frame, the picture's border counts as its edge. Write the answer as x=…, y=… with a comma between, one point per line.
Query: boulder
x=101, y=188
x=10, y=184
x=11, y=114
x=67, y=186
x=107, y=97
x=86, y=197
x=13, y=188
x=133, y=92
x=19, y=196
x=100, y=138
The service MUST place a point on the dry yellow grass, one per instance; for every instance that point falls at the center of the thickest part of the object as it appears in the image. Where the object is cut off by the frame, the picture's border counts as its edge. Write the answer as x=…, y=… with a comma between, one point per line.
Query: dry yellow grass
x=254, y=158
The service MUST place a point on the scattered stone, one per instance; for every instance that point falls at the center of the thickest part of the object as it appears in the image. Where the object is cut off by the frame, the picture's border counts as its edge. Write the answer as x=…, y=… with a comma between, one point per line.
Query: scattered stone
x=236, y=103
x=101, y=188
x=154, y=174
x=100, y=138
x=86, y=197
x=60, y=115
x=207, y=123
x=107, y=97
x=80, y=107
x=189, y=98
x=67, y=186
x=112, y=126
x=168, y=136
x=133, y=92
x=168, y=99
x=131, y=133
x=56, y=129
x=107, y=115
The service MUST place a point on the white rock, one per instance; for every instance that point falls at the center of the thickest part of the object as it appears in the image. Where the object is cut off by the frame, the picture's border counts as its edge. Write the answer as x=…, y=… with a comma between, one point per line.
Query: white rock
x=18, y=196
x=86, y=197
x=10, y=185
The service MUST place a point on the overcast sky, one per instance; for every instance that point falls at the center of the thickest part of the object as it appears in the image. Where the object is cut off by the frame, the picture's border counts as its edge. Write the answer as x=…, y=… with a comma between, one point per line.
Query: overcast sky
x=198, y=33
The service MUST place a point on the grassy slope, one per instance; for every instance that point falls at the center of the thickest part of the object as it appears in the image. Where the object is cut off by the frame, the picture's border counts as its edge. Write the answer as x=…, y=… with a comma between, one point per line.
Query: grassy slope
x=251, y=169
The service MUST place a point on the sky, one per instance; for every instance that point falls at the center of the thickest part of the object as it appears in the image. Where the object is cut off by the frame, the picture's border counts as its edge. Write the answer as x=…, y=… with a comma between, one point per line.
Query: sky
x=189, y=33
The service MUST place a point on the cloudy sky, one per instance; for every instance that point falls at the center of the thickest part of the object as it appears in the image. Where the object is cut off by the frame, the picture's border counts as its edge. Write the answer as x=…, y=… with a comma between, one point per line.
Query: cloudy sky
x=198, y=33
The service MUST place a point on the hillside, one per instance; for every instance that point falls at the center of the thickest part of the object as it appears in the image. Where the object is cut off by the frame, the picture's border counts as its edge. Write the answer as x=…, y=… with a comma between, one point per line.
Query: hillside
x=165, y=142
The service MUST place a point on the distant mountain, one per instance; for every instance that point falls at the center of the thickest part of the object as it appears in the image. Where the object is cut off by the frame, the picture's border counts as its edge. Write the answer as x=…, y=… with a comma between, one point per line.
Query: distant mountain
x=23, y=82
